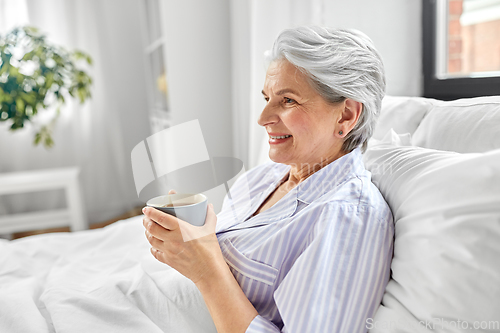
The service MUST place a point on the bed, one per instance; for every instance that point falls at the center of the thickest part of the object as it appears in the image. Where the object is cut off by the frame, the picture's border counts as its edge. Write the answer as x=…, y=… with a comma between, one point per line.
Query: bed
x=436, y=163
x=101, y=280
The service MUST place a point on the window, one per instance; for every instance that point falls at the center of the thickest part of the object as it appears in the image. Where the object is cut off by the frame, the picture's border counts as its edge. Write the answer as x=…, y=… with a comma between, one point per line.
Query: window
x=461, y=48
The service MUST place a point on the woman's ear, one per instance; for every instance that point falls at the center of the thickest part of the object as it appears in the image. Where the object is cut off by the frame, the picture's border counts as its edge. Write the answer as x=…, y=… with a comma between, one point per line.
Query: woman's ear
x=348, y=117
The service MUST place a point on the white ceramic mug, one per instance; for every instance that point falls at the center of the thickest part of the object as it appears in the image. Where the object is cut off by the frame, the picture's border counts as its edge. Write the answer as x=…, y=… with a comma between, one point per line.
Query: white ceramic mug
x=188, y=207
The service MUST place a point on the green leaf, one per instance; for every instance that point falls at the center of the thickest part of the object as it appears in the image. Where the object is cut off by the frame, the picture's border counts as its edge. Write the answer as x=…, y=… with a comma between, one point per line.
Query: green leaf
x=16, y=125
x=31, y=29
x=28, y=56
x=38, y=137
x=20, y=105
x=49, y=79
x=13, y=71
x=5, y=68
x=81, y=95
x=48, y=143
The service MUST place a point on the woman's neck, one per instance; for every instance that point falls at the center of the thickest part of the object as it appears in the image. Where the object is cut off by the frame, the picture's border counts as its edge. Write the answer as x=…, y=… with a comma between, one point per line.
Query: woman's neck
x=300, y=172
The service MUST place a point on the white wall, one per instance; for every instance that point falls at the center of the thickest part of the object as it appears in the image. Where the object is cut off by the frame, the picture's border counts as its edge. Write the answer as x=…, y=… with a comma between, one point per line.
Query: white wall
x=395, y=28
x=198, y=68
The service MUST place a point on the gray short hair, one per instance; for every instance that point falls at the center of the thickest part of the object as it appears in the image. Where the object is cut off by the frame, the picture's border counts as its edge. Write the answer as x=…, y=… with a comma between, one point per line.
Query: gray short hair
x=340, y=63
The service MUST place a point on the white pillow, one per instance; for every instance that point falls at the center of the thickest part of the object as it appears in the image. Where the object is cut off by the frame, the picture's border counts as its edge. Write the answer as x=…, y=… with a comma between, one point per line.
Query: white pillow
x=468, y=125
x=403, y=114
x=446, y=266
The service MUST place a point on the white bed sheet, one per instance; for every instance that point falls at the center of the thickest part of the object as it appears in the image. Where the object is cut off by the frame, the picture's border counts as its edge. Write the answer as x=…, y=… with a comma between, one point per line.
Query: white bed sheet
x=102, y=280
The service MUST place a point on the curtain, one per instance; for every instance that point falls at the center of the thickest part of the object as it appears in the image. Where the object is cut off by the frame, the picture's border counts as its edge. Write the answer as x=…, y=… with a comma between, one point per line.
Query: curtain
x=99, y=135
x=12, y=13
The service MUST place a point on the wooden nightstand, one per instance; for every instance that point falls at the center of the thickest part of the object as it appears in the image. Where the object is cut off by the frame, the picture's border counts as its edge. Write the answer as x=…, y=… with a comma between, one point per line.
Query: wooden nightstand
x=42, y=180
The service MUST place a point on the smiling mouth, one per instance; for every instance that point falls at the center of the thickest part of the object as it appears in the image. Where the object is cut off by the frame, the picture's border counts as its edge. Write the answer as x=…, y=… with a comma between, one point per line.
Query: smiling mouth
x=279, y=137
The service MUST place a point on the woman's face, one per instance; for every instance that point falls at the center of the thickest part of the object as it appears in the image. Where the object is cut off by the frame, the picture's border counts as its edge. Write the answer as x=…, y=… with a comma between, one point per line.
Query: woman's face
x=301, y=125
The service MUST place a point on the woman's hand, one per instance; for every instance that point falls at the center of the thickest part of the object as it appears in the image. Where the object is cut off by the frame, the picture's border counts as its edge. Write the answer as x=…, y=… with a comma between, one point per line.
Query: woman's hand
x=192, y=251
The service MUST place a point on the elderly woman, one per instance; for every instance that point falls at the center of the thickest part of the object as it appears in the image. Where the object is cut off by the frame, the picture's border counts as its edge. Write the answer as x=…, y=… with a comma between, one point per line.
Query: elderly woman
x=302, y=244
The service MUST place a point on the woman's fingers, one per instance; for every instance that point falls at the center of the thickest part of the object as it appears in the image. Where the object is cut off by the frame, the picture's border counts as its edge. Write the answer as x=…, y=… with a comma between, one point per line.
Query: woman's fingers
x=154, y=241
x=145, y=221
x=171, y=192
x=190, y=232
x=158, y=255
x=192, y=251
x=152, y=227
x=155, y=230
x=167, y=221
x=211, y=219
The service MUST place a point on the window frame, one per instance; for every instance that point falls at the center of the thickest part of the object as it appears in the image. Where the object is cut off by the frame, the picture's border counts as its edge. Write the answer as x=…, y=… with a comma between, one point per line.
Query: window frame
x=448, y=88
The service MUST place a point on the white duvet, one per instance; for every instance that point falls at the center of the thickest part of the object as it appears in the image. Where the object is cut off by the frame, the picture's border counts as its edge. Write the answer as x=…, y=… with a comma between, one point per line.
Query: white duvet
x=102, y=280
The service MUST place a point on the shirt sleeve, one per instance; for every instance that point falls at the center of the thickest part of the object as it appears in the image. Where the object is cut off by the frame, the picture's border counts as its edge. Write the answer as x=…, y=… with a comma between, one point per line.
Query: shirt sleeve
x=262, y=325
x=338, y=281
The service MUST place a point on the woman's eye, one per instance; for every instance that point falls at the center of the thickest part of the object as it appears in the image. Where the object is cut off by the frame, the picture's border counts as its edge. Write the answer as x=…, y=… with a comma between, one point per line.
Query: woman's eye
x=266, y=99
x=289, y=100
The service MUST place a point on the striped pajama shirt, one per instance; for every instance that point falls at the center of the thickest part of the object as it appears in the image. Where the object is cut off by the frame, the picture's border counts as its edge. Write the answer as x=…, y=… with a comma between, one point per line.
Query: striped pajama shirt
x=319, y=259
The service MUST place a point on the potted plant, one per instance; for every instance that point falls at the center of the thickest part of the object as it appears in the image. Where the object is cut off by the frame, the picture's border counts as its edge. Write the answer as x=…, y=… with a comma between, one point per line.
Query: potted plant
x=35, y=76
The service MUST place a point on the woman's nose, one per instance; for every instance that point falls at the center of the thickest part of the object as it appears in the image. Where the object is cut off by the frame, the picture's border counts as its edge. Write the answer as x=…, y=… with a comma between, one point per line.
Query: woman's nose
x=268, y=116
